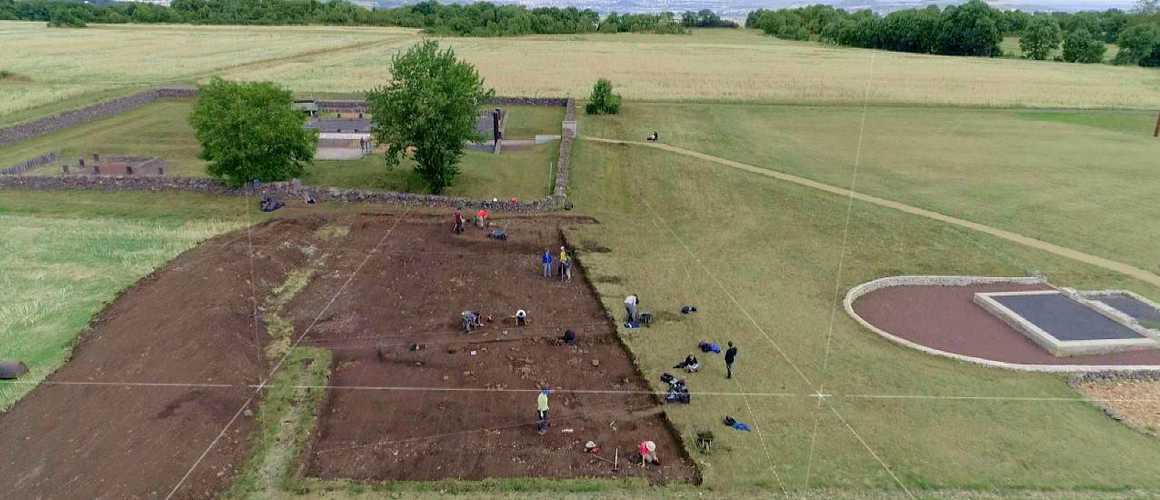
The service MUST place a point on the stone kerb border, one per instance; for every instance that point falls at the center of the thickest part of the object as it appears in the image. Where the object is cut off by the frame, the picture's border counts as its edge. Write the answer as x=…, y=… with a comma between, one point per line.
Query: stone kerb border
x=29, y=164
x=1048, y=341
x=857, y=292
x=36, y=128
x=290, y=189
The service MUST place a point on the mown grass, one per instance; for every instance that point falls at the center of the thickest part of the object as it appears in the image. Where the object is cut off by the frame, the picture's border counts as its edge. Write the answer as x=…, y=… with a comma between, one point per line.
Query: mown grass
x=65, y=255
x=772, y=252
x=1076, y=178
x=162, y=129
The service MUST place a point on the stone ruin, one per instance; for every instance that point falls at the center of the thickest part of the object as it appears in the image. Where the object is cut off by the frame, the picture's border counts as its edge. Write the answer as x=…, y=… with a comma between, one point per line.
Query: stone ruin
x=116, y=166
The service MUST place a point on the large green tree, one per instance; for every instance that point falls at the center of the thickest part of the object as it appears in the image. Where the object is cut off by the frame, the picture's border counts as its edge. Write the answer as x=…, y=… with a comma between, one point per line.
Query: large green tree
x=1140, y=44
x=428, y=110
x=1040, y=37
x=250, y=130
x=969, y=30
x=1082, y=47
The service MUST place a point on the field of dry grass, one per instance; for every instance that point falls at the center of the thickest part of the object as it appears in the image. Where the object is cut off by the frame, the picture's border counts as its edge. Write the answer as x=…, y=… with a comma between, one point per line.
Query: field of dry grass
x=735, y=65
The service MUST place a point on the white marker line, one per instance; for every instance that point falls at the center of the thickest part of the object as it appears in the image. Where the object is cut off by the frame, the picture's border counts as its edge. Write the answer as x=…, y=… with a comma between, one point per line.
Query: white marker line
x=841, y=262
x=761, y=437
x=784, y=395
x=756, y=426
x=871, y=450
x=278, y=365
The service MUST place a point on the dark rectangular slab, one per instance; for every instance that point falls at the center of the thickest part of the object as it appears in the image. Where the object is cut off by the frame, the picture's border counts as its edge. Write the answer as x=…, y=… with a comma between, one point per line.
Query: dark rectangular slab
x=1065, y=319
x=1129, y=305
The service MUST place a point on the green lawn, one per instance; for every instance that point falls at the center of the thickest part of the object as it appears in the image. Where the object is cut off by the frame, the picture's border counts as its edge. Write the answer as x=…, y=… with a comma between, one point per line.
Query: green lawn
x=65, y=255
x=515, y=173
x=776, y=249
x=1073, y=178
x=525, y=122
x=162, y=129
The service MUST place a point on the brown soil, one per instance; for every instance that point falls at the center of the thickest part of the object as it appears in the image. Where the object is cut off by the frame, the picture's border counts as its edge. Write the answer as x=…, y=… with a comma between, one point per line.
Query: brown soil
x=1137, y=402
x=192, y=323
x=945, y=318
x=188, y=323
x=413, y=291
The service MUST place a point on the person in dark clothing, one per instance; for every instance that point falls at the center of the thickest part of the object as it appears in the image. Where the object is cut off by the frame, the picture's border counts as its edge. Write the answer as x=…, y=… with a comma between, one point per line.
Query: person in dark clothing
x=730, y=356
x=569, y=337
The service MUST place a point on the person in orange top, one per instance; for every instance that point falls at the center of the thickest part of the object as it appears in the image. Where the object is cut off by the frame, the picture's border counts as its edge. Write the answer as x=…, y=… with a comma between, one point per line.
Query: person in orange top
x=481, y=218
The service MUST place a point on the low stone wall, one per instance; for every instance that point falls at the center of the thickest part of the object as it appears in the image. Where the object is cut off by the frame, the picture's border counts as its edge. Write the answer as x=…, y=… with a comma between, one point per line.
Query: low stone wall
x=564, y=160
x=286, y=189
x=29, y=164
x=527, y=101
x=105, y=109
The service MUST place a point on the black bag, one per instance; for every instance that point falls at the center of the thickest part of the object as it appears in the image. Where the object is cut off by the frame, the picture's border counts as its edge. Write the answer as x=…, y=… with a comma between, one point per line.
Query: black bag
x=646, y=318
x=667, y=378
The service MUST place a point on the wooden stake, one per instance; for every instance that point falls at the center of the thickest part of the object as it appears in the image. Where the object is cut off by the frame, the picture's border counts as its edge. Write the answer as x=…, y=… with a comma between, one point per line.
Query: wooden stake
x=616, y=460
x=1156, y=133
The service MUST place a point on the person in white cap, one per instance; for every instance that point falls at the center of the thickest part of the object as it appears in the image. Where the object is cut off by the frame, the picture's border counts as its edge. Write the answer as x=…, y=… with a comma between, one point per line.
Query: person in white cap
x=648, y=453
x=521, y=318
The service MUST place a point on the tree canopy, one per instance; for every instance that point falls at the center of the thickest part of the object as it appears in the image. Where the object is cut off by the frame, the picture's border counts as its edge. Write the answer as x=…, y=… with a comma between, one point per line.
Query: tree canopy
x=250, y=130
x=1040, y=37
x=602, y=100
x=1081, y=47
x=428, y=110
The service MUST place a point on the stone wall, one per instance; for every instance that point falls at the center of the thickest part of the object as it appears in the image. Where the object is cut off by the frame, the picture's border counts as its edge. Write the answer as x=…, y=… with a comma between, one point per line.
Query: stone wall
x=564, y=160
x=283, y=189
x=105, y=109
x=29, y=164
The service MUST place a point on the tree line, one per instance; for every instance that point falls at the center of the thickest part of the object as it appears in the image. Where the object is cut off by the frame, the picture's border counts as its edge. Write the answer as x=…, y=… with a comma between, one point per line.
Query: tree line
x=475, y=19
x=975, y=29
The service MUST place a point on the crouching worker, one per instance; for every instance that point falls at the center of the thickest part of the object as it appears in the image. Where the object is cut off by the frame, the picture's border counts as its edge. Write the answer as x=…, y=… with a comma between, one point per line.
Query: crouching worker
x=690, y=364
x=521, y=318
x=471, y=321
x=569, y=337
x=542, y=411
x=648, y=453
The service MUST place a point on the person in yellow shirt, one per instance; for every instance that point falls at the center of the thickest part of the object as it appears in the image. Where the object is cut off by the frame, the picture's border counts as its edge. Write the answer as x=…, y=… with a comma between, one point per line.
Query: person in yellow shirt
x=565, y=264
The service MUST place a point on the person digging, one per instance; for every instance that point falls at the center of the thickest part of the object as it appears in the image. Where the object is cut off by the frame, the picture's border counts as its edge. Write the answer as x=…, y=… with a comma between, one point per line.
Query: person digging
x=471, y=321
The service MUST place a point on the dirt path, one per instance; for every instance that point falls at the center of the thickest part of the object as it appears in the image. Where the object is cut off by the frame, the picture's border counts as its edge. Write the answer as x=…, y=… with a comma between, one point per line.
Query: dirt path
x=1069, y=253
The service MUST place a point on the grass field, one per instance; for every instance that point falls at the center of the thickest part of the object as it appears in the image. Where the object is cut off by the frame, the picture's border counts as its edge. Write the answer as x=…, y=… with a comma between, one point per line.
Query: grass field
x=1063, y=176
x=839, y=412
x=65, y=256
x=162, y=129
x=777, y=250
x=706, y=65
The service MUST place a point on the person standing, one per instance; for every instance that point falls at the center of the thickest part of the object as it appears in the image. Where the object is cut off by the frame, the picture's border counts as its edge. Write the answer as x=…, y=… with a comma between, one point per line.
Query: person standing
x=546, y=261
x=542, y=411
x=458, y=221
x=730, y=357
x=630, y=304
x=563, y=262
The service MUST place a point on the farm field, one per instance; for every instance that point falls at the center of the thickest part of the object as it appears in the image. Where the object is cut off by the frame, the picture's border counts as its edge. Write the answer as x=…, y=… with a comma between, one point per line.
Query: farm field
x=1063, y=176
x=729, y=65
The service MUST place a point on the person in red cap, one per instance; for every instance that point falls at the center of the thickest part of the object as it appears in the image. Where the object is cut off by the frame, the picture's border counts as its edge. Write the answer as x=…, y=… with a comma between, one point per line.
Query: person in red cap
x=481, y=218
x=648, y=453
